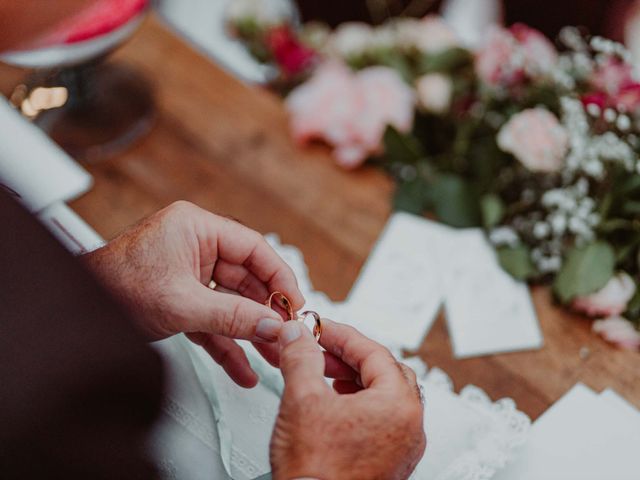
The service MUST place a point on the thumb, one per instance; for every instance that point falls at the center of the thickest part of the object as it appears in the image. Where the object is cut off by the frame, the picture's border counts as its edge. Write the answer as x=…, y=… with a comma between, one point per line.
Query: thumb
x=233, y=316
x=301, y=361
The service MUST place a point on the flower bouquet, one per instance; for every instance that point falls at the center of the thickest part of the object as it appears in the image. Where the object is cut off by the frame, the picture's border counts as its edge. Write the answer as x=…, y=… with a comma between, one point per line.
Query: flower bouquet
x=536, y=142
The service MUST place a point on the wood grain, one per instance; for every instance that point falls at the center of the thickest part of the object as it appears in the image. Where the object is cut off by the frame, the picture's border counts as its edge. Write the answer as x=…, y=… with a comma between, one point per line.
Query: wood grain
x=225, y=146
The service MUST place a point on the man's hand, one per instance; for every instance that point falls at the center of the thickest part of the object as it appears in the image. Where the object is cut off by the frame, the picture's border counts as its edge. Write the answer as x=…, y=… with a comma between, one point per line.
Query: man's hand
x=370, y=427
x=161, y=267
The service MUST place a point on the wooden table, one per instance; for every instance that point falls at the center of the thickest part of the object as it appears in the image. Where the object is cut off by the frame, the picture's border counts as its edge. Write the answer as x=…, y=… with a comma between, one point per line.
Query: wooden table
x=225, y=146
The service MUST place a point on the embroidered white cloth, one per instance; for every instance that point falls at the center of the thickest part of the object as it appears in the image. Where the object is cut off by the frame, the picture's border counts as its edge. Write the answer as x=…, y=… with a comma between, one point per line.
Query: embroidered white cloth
x=212, y=428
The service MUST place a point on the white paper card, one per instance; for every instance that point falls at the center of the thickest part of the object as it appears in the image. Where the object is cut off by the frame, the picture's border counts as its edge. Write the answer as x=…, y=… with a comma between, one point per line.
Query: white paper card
x=399, y=291
x=618, y=401
x=581, y=437
x=487, y=310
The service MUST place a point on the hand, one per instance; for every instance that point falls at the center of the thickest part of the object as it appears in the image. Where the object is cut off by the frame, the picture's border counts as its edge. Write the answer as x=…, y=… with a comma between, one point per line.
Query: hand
x=373, y=431
x=160, y=270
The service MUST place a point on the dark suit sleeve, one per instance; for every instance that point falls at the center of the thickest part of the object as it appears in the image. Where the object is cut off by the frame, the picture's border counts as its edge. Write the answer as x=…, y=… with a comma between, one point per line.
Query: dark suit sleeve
x=79, y=388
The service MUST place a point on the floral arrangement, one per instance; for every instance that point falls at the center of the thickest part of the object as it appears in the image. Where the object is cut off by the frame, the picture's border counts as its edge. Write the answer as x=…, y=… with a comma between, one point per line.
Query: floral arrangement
x=536, y=142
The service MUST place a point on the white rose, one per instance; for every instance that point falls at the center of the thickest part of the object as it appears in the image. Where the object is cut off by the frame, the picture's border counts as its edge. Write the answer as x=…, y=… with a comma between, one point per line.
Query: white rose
x=536, y=138
x=351, y=38
x=434, y=92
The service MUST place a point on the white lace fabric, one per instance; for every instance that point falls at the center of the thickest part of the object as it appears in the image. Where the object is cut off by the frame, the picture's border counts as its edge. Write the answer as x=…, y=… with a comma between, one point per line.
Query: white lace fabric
x=211, y=428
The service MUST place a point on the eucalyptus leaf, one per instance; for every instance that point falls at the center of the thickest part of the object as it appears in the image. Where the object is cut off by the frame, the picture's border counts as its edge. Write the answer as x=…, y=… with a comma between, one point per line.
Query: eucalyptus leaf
x=455, y=201
x=412, y=196
x=401, y=148
x=517, y=262
x=492, y=208
x=585, y=270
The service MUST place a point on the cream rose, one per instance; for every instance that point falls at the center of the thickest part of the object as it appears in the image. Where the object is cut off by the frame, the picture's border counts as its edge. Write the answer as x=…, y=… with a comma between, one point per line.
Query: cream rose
x=350, y=39
x=536, y=138
x=434, y=92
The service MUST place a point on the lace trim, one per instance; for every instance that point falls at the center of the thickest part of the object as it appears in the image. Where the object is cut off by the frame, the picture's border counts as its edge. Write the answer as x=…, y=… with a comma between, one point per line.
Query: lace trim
x=495, y=446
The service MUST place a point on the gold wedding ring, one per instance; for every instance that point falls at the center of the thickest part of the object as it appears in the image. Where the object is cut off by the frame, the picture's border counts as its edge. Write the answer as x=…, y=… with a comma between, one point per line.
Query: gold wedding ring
x=284, y=302
x=317, y=327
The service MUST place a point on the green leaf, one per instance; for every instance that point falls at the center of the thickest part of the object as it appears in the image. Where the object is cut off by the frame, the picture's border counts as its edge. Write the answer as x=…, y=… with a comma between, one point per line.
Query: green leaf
x=614, y=224
x=411, y=196
x=444, y=61
x=492, y=209
x=605, y=205
x=401, y=148
x=585, y=270
x=455, y=201
x=629, y=185
x=517, y=262
x=624, y=250
x=631, y=207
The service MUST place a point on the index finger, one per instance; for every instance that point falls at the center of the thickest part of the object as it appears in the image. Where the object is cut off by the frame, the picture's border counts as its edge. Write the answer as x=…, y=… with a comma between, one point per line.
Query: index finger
x=240, y=245
x=372, y=361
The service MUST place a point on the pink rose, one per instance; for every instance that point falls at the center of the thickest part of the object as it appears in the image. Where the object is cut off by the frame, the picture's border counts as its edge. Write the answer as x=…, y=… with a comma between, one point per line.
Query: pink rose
x=619, y=331
x=536, y=139
x=350, y=111
x=611, y=300
x=510, y=56
x=540, y=56
x=598, y=99
x=611, y=76
x=627, y=98
x=494, y=61
x=614, y=86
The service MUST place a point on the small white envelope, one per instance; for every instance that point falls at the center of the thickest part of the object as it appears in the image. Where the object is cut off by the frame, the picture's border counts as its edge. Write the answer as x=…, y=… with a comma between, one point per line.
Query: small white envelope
x=487, y=310
x=400, y=289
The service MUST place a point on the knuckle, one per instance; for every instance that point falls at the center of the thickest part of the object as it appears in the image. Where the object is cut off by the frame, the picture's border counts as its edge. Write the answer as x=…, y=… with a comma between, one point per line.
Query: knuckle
x=179, y=207
x=408, y=373
x=234, y=321
x=303, y=398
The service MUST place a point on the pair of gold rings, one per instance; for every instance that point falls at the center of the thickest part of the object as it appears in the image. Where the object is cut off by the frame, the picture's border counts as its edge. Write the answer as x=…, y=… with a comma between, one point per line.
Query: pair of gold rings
x=284, y=303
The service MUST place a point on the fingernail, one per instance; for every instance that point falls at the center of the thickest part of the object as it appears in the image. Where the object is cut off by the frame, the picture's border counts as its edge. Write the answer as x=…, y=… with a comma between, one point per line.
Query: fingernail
x=268, y=329
x=290, y=332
